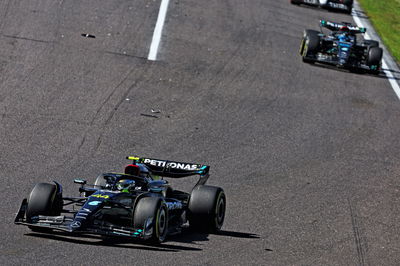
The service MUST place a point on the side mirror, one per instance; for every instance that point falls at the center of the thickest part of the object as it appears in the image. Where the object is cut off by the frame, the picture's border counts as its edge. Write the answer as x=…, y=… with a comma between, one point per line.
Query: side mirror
x=80, y=181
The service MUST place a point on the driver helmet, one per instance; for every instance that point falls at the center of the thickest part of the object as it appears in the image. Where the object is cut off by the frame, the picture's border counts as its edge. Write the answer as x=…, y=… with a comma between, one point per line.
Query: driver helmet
x=132, y=169
x=126, y=185
x=344, y=29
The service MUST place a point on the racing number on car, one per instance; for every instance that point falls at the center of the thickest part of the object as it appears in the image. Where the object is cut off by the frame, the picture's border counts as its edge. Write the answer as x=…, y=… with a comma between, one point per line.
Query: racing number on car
x=100, y=196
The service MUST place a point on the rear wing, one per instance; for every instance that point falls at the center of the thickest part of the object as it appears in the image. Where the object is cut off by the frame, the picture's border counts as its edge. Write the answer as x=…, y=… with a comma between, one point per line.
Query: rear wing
x=333, y=26
x=173, y=169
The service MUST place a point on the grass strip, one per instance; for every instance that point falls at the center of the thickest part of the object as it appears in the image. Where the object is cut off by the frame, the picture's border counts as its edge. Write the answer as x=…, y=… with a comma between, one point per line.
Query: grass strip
x=385, y=16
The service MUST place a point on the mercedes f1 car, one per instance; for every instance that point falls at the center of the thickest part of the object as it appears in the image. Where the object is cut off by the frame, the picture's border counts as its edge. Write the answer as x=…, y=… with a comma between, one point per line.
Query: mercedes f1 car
x=341, y=48
x=138, y=203
x=341, y=5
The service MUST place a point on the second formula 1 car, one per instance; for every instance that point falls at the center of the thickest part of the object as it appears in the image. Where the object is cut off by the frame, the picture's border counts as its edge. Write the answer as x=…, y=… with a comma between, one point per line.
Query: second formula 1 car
x=341, y=5
x=137, y=204
x=341, y=48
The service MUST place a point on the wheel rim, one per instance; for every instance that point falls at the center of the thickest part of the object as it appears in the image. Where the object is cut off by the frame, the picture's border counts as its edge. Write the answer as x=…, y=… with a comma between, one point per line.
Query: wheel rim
x=305, y=47
x=161, y=223
x=302, y=47
x=220, y=211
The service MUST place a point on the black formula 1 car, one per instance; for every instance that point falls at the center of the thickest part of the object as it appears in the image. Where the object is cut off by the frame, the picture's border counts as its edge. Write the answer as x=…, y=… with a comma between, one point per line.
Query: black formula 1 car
x=341, y=48
x=138, y=204
x=341, y=5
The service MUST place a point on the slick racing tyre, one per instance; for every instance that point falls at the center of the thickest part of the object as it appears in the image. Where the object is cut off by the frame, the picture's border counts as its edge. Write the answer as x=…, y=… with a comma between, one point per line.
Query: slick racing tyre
x=207, y=206
x=43, y=200
x=374, y=59
x=309, y=45
x=155, y=209
x=295, y=2
x=374, y=56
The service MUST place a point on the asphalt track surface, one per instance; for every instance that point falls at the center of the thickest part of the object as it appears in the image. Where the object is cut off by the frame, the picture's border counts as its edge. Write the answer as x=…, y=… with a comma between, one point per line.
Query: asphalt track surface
x=308, y=156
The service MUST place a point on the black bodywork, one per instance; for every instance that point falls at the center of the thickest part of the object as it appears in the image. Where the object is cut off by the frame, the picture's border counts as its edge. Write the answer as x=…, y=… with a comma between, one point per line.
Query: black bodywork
x=102, y=209
x=340, y=5
x=349, y=52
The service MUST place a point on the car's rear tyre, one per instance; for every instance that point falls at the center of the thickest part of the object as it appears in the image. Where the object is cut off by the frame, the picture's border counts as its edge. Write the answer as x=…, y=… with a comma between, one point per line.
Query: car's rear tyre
x=374, y=60
x=156, y=209
x=43, y=200
x=374, y=56
x=309, y=45
x=207, y=206
x=295, y=2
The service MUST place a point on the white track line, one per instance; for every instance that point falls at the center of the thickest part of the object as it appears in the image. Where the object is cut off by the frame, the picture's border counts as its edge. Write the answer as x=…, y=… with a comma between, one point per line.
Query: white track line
x=391, y=79
x=158, y=30
x=388, y=74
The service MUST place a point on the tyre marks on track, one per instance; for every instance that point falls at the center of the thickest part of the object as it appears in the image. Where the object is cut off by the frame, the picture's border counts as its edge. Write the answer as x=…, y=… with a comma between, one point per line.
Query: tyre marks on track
x=26, y=39
x=359, y=235
x=107, y=109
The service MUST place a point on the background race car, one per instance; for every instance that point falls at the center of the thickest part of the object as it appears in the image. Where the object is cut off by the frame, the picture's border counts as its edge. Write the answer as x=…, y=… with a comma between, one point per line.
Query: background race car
x=342, y=5
x=138, y=204
x=341, y=48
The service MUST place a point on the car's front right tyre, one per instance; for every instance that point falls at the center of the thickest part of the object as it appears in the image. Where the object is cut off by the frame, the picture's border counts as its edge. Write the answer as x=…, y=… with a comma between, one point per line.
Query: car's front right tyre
x=43, y=200
x=309, y=45
x=155, y=209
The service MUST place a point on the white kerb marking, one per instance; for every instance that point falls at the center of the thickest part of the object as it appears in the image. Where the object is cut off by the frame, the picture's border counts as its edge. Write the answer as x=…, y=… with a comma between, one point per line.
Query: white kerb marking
x=388, y=74
x=158, y=30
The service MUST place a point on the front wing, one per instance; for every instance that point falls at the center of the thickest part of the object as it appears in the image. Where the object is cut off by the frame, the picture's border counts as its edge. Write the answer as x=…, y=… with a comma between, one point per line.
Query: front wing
x=328, y=61
x=67, y=224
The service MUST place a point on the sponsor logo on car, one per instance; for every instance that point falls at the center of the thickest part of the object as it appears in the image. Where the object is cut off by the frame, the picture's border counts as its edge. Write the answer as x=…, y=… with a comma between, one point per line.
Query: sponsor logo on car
x=174, y=205
x=94, y=203
x=76, y=224
x=176, y=165
x=337, y=5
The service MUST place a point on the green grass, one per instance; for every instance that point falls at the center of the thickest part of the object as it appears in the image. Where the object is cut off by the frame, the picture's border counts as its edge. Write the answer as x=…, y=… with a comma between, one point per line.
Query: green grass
x=385, y=16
